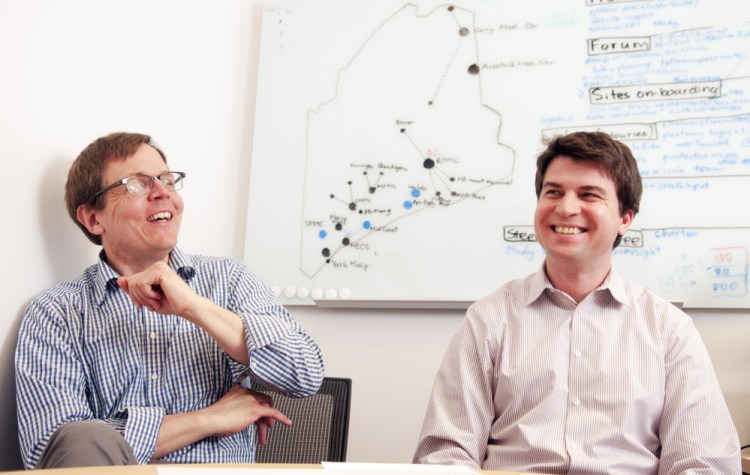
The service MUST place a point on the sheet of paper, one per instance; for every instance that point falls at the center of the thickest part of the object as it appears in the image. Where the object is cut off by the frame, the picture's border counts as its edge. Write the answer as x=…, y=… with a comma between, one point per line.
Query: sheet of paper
x=339, y=468
x=178, y=470
x=396, y=468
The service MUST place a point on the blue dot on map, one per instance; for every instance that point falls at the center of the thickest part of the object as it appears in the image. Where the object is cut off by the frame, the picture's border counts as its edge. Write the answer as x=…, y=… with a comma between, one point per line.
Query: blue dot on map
x=408, y=204
x=322, y=234
x=367, y=225
x=415, y=193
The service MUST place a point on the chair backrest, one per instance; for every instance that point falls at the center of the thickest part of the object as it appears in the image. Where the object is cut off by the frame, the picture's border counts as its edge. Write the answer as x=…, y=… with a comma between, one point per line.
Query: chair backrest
x=320, y=425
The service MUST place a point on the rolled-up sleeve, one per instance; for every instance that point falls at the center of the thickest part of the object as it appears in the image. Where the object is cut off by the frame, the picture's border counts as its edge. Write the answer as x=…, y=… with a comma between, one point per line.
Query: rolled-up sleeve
x=281, y=352
x=141, y=430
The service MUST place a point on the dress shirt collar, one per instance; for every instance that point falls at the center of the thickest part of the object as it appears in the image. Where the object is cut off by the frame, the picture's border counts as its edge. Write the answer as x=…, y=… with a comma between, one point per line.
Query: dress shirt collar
x=616, y=286
x=105, y=280
x=537, y=285
x=614, y=283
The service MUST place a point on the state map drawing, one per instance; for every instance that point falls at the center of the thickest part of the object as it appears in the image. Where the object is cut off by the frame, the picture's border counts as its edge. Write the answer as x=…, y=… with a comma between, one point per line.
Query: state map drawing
x=395, y=143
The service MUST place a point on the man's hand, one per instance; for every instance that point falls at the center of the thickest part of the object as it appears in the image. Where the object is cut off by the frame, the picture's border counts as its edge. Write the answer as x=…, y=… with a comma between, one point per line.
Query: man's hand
x=161, y=290
x=238, y=409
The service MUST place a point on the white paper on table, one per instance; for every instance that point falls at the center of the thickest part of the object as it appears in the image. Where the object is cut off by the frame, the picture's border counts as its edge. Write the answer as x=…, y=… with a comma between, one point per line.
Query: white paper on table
x=177, y=470
x=343, y=468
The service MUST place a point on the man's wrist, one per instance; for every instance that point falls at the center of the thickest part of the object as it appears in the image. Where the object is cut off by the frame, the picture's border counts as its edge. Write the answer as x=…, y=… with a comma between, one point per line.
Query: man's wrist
x=196, y=311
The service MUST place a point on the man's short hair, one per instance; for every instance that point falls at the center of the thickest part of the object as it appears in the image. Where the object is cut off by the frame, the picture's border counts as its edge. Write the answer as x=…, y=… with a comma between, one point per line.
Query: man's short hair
x=86, y=174
x=614, y=157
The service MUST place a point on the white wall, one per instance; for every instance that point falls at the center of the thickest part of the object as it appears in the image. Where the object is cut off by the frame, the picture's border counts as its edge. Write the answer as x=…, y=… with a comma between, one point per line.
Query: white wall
x=184, y=71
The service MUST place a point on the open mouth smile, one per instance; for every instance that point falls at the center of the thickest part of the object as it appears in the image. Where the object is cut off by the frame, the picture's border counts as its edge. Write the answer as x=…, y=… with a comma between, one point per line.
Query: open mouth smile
x=161, y=217
x=567, y=230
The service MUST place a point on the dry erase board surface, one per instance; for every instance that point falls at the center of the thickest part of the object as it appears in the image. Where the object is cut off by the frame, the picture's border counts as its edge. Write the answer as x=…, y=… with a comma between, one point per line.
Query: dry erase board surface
x=395, y=143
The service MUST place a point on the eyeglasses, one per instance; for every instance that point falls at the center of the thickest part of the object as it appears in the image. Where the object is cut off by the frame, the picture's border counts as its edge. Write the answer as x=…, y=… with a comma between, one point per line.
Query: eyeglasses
x=139, y=185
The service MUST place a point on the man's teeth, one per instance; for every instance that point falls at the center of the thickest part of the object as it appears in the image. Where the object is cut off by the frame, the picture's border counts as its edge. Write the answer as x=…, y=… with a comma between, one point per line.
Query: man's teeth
x=161, y=216
x=567, y=230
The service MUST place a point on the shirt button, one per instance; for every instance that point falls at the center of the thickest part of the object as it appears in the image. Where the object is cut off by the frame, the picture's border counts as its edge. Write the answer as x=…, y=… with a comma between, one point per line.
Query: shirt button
x=152, y=335
x=154, y=376
x=578, y=354
x=577, y=402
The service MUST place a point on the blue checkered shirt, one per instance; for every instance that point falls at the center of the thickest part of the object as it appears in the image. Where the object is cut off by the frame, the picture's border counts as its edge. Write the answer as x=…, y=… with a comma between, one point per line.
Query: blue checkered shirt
x=85, y=352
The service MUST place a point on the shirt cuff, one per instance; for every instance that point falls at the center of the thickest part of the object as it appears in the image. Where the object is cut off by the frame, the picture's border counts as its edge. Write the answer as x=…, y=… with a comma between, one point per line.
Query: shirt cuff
x=261, y=331
x=266, y=330
x=142, y=431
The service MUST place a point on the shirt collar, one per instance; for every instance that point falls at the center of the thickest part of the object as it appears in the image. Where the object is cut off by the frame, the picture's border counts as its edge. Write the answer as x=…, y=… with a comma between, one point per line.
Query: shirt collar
x=182, y=264
x=614, y=283
x=616, y=286
x=538, y=283
x=106, y=278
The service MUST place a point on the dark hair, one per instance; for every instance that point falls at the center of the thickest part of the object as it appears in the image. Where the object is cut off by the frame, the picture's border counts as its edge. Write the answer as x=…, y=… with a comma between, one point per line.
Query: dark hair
x=87, y=171
x=614, y=157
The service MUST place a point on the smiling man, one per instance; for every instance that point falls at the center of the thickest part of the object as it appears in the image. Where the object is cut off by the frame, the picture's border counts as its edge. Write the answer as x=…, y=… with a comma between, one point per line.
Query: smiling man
x=151, y=354
x=574, y=369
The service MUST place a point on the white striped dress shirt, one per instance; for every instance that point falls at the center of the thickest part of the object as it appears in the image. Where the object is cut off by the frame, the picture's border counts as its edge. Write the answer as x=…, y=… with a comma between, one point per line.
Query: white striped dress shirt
x=620, y=383
x=86, y=352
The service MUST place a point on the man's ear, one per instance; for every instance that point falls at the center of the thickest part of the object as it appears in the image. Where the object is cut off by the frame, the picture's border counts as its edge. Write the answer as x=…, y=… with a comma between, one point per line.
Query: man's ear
x=86, y=215
x=627, y=220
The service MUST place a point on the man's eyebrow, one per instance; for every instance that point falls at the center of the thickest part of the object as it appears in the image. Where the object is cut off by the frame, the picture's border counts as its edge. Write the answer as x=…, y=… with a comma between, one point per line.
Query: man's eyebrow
x=598, y=189
x=552, y=184
x=142, y=173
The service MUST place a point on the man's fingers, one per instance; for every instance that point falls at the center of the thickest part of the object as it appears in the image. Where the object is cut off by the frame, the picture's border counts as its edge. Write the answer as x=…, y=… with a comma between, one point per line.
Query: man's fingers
x=262, y=431
x=123, y=283
x=266, y=422
x=263, y=399
x=275, y=414
x=144, y=295
x=267, y=412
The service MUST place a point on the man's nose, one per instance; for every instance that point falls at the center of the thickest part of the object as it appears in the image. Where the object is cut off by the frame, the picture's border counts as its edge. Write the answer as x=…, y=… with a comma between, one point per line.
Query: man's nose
x=158, y=189
x=568, y=205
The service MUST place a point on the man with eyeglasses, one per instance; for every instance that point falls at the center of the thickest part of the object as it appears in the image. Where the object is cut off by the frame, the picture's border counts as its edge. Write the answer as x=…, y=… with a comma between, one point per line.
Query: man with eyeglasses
x=150, y=355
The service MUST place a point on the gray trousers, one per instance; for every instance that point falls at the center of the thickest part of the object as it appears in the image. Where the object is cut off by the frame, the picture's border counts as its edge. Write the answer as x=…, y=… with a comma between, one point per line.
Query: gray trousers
x=86, y=444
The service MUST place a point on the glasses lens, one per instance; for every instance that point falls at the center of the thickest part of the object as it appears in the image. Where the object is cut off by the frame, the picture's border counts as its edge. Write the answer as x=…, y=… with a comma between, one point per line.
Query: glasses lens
x=137, y=185
x=172, y=180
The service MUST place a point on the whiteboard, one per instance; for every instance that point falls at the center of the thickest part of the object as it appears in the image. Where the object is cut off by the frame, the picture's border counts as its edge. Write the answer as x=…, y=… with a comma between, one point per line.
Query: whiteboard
x=395, y=143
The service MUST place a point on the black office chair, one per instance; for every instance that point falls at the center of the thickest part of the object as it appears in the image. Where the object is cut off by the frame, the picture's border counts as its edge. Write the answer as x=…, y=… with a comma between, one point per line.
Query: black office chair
x=320, y=425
